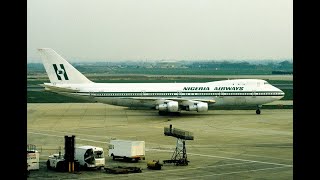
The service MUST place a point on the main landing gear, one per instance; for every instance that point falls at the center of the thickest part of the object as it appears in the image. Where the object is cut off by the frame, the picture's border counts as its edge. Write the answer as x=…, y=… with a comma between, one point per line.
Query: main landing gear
x=163, y=113
x=166, y=113
x=258, y=111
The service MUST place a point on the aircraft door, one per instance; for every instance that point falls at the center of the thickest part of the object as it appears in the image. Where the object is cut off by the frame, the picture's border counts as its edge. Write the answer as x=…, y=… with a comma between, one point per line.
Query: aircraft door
x=143, y=93
x=254, y=93
x=91, y=95
x=179, y=94
x=221, y=94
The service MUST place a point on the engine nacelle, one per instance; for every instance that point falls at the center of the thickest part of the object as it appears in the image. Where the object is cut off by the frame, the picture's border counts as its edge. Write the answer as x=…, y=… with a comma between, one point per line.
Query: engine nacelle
x=200, y=107
x=162, y=107
x=171, y=106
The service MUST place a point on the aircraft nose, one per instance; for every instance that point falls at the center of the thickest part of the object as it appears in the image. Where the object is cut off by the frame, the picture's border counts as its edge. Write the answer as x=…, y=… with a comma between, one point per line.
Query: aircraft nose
x=281, y=94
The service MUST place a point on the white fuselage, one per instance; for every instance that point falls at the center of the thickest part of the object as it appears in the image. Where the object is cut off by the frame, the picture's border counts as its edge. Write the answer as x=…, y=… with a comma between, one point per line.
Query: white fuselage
x=223, y=93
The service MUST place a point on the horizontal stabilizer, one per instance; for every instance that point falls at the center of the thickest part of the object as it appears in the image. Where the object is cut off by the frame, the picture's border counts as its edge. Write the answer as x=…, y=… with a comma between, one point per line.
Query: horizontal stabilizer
x=58, y=89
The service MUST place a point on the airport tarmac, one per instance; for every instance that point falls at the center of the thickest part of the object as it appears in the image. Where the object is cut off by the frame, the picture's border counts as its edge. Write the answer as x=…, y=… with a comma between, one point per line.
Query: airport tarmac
x=228, y=144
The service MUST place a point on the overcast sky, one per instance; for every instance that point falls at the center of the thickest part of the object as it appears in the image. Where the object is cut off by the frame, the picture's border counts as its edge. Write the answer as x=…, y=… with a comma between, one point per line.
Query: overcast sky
x=161, y=29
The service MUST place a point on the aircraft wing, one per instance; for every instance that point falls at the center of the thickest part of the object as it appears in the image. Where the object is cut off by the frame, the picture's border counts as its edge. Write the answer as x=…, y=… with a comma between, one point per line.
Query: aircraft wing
x=58, y=89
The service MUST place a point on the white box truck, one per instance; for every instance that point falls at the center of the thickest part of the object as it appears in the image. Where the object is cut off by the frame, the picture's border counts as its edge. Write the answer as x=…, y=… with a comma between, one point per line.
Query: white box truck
x=127, y=150
x=90, y=156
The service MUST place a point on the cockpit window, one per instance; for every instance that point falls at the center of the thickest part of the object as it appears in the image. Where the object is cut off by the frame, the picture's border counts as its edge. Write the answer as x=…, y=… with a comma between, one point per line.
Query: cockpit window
x=266, y=83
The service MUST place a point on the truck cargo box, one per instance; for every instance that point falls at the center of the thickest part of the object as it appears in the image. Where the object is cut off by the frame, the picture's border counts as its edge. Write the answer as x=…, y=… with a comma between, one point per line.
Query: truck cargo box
x=127, y=149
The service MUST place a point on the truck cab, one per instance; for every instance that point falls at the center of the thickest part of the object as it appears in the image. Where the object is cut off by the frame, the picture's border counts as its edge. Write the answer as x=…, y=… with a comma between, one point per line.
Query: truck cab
x=90, y=156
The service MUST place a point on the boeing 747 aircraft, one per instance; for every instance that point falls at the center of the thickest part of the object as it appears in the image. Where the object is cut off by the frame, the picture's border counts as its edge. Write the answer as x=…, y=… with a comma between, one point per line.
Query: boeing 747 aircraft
x=165, y=97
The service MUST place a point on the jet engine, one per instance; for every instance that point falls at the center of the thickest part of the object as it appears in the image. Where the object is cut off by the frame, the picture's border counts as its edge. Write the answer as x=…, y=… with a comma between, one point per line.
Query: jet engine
x=200, y=107
x=171, y=106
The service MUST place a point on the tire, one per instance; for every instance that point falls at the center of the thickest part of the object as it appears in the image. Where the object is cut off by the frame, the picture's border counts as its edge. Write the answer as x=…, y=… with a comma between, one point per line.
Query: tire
x=60, y=166
x=258, y=111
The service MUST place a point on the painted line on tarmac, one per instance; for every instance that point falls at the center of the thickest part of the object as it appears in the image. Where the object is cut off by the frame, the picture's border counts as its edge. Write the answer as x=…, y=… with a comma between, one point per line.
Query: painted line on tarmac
x=246, y=160
x=68, y=132
x=262, y=169
x=243, y=145
x=170, y=151
x=62, y=137
x=257, y=156
x=221, y=151
x=166, y=171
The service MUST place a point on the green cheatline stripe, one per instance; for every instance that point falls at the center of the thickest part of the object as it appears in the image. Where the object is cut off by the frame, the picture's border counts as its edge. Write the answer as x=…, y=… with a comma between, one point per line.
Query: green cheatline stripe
x=175, y=94
x=192, y=92
x=171, y=95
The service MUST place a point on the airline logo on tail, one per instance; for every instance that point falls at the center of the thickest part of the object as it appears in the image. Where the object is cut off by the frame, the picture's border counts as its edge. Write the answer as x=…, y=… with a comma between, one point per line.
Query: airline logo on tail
x=60, y=72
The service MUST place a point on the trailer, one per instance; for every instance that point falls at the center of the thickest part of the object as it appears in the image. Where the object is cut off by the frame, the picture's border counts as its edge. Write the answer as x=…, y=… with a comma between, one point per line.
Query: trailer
x=127, y=150
x=122, y=170
x=90, y=157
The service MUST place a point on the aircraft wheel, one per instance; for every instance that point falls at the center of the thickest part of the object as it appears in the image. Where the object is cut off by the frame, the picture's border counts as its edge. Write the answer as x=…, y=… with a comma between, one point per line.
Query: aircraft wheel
x=258, y=111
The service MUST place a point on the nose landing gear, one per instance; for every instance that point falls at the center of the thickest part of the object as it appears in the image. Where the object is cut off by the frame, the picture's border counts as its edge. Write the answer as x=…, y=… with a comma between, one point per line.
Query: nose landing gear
x=258, y=111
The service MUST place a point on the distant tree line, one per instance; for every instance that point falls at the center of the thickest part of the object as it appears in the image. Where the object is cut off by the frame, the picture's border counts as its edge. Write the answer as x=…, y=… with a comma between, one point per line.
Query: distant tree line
x=284, y=65
x=180, y=67
x=282, y=72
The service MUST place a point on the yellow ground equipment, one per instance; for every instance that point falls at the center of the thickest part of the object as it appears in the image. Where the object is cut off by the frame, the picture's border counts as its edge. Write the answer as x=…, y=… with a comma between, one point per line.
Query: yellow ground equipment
x=154, y=164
